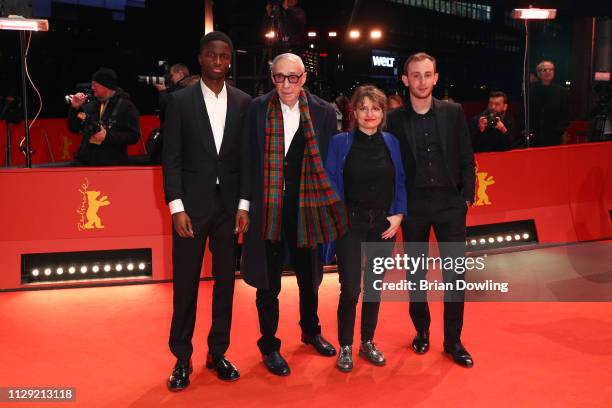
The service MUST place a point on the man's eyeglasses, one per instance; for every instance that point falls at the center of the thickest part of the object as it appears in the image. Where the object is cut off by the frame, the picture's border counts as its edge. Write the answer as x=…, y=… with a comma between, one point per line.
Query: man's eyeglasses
x=280, y=78
x=546, y=70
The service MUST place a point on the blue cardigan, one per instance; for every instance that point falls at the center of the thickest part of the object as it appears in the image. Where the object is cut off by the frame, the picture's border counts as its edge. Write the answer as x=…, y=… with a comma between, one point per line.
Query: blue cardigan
x=339, y=148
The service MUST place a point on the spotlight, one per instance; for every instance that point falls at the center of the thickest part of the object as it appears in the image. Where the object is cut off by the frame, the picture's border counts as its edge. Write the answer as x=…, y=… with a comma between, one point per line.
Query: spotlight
x=375, y=34
x=517, y=237
x=491, y=240
x=508, y=238
x=354, y=34
x=270, y=34
x=312, y=34
x=534, y=14
x=35, y=272
x=118, y=267
x=83, y=269
x=483, y=241
x=311, y=46
x=71, y=270
x=525, y=236
x=47, y=271
x=59, y=271
x=141, y=266
x=500, y=239
x=473, y=242
x=95, y=269
x=107, y=268
x=333, y=34
x=130, y=267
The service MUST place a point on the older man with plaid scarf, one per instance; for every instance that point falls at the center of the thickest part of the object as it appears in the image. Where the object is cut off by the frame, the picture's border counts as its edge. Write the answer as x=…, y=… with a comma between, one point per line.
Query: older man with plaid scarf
x=293, y=207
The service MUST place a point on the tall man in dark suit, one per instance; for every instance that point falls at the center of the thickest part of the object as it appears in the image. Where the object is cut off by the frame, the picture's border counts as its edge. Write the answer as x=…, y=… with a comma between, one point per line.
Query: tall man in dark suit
x=440, y=181
x=206, y=167
x=292, y=205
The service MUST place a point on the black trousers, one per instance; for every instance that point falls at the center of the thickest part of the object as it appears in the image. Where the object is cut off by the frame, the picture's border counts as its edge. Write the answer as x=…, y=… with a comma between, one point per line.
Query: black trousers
x=301, y=260
x=444, y=209
x=365, y=226
x=187, y=255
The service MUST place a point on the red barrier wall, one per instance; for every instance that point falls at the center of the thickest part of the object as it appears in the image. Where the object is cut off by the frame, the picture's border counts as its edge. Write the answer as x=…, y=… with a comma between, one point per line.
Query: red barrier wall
x=52, y=142
x=567, y=190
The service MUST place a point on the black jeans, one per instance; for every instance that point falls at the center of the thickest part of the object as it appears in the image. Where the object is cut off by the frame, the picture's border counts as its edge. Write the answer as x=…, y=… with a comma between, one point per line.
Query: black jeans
x=187, y=256
x=444, y=209
x=302, y=262
x=365, y=226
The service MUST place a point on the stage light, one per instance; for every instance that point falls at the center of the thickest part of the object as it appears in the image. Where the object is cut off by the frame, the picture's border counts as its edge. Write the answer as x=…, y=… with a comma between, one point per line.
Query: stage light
x=375, y=34
x=525, y=236
x=23, y=24
x=517, y=237
x=354, y=34
x=500, y=239
x=491, y=240
x=534, y=14
x=311, y=46
x=312, y=34
x=63, y=267
x=332, y=34
x=473, y=242
x=270, y=34
x=483, y=241
x=508, y=238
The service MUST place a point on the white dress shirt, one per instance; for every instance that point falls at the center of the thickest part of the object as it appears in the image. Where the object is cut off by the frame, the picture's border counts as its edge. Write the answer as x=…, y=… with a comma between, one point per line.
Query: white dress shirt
x=216, y=106
x=291, y=122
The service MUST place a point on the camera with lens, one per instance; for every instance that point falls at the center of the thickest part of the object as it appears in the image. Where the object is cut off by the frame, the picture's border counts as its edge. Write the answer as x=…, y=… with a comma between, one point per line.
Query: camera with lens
x=492, y=118
x=89, y=124
x=163, y=79
x=88, y=97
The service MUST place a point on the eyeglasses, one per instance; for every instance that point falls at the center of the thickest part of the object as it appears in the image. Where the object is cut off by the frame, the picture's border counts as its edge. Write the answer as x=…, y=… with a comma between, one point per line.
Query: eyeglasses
x=280, y=78
x=546, y=70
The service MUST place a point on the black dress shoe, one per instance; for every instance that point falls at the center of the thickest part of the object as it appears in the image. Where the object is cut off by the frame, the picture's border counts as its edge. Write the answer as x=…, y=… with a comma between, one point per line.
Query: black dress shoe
x=420, y=344
x=459, y=354
x=322, y=346
x=226, y=371
x=179, y=379
x=276, y=364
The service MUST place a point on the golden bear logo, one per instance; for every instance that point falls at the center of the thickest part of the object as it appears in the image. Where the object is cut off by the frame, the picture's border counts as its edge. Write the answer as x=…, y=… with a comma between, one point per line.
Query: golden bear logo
x=484, y=181
x=89, y=208
x=66, y=149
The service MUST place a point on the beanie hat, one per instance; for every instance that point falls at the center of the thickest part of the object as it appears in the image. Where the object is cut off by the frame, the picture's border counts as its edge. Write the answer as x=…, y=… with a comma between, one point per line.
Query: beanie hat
x=105, y=77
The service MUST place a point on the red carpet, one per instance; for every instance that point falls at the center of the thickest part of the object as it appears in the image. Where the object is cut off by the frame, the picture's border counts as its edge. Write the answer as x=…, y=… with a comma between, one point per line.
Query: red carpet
x=111, y=344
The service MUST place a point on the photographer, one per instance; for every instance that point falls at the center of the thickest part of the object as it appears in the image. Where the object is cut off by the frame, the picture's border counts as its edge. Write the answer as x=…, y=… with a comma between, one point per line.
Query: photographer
x=492, y=129
x=108, y=122
x=179, y=74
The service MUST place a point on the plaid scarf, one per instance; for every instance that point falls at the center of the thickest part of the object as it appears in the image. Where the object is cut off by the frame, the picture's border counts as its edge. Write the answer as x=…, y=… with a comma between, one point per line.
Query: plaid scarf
x=322, y=216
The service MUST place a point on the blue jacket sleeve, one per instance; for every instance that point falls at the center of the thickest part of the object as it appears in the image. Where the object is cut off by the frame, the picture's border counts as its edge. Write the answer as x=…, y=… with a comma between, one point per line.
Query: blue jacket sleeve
x=331, y=164
x=401, y=202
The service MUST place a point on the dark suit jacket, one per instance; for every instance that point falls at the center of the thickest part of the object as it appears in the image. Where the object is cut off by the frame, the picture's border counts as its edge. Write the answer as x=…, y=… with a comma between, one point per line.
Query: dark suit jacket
x=189, y=159
x=454, y=139
x=254, y=263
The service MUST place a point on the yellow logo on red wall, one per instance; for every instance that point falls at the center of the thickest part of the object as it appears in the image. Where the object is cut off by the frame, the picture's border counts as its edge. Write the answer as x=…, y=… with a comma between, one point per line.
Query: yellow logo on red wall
x=89, y=218
x=484, y=181
x=66, y=149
